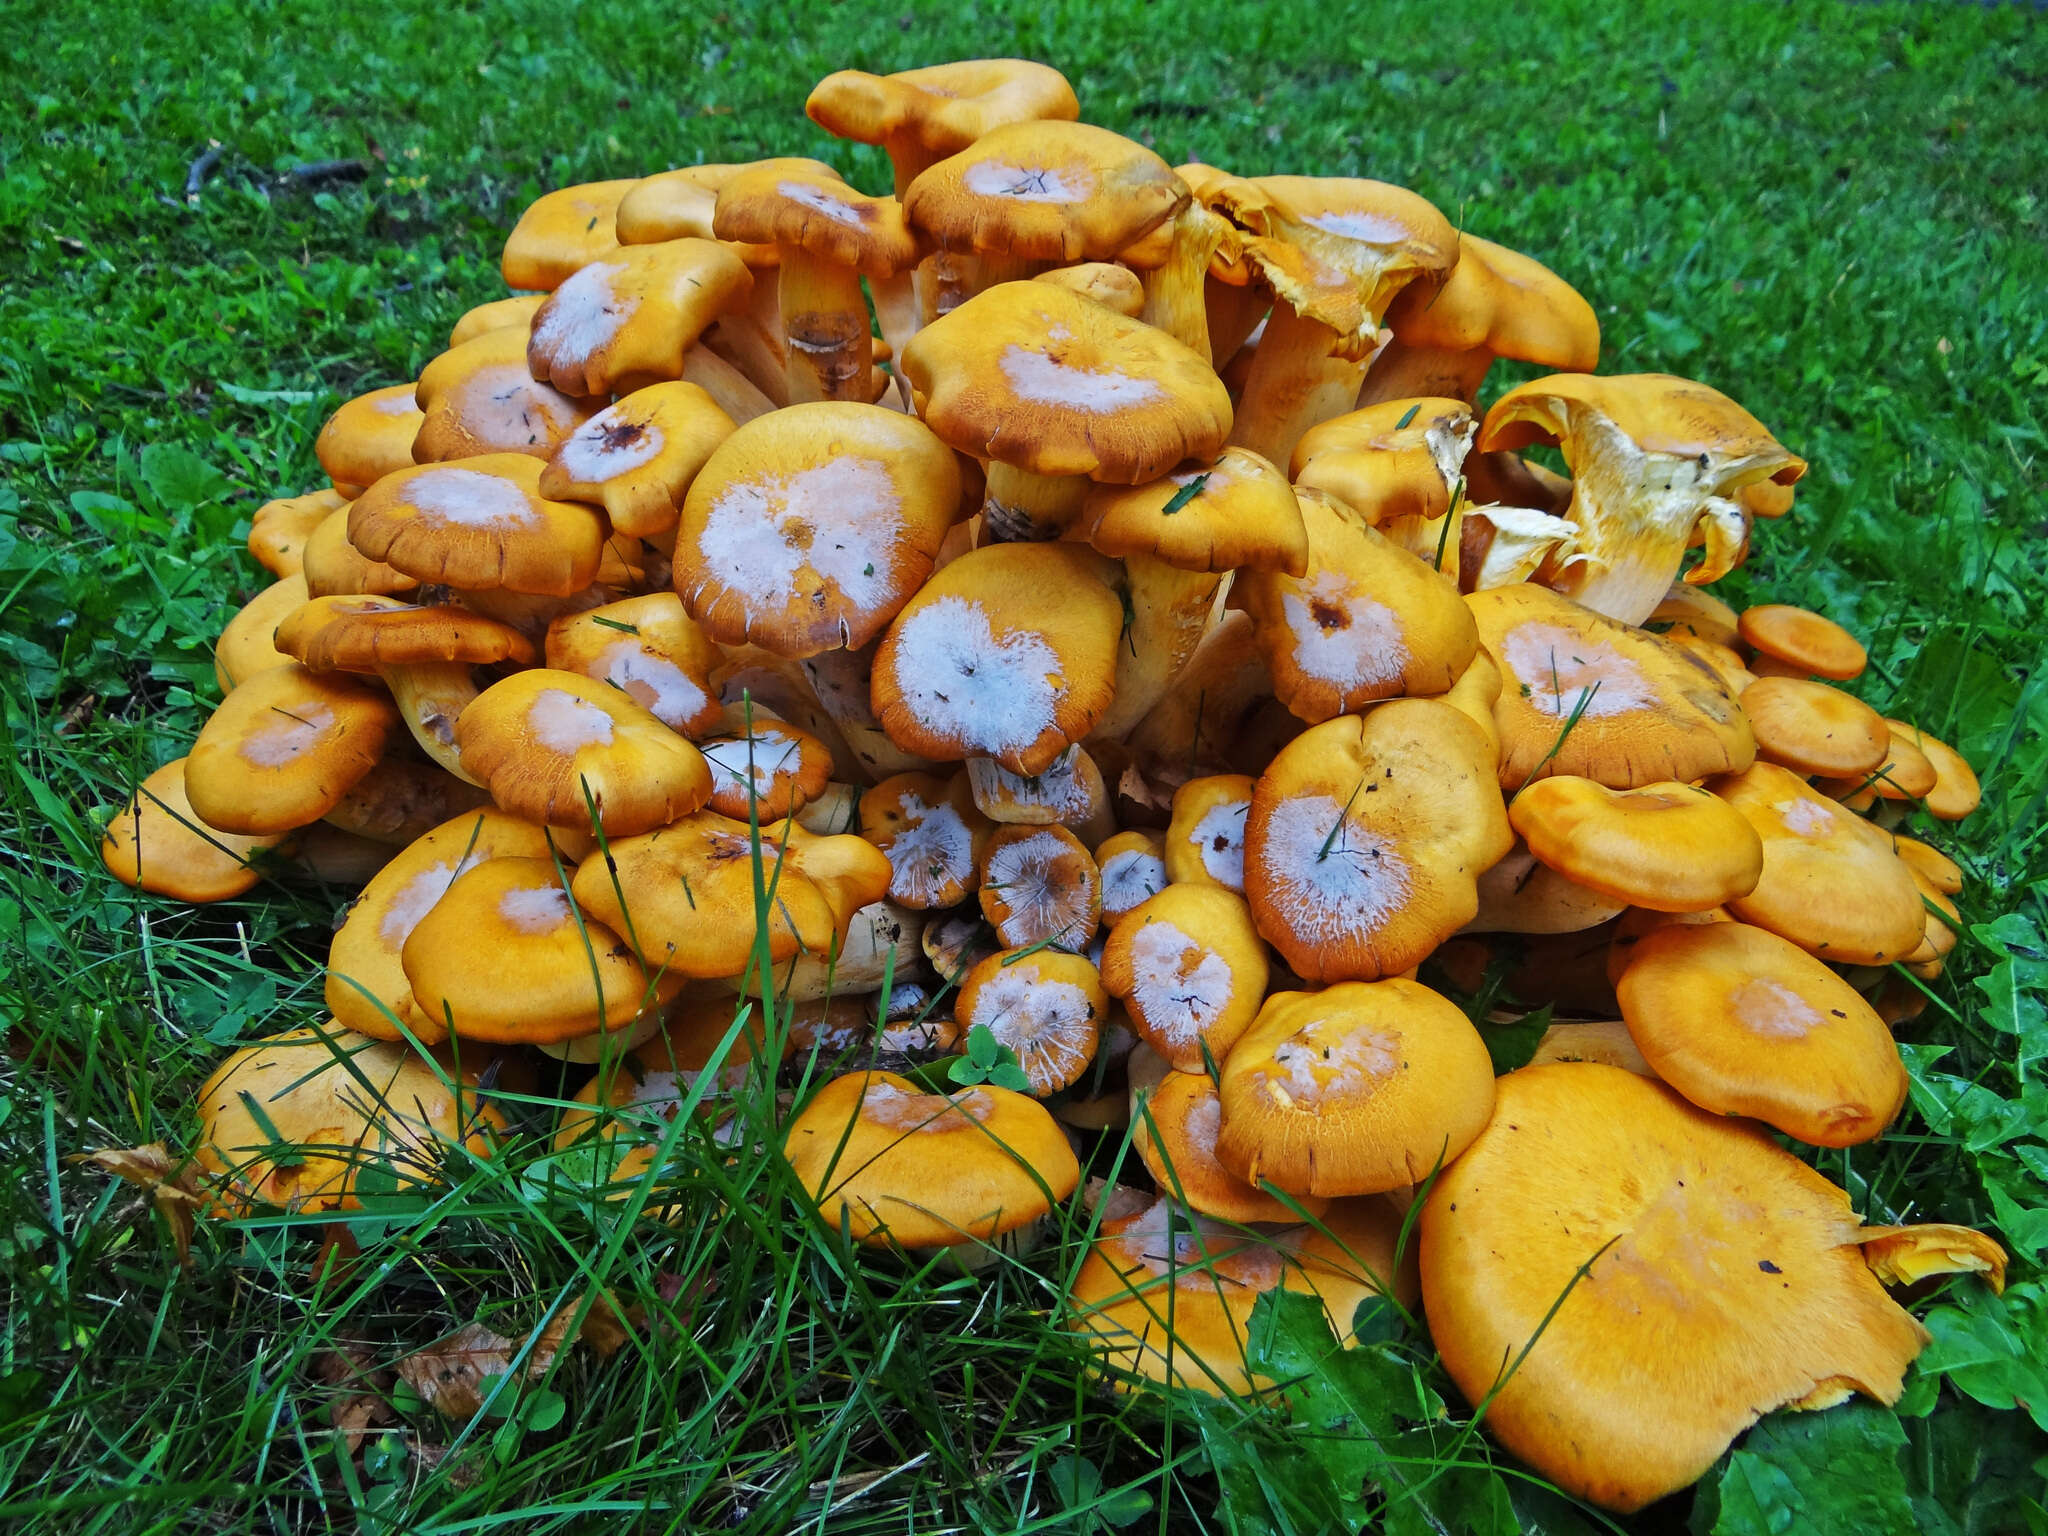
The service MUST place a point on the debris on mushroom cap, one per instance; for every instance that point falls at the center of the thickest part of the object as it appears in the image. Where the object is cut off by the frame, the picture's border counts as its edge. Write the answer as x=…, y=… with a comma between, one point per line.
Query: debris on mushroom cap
x=1587, y=696
x=922, y=115
x=247, y=642
x=370, y=436
x=479, y=398
x=673, y=205
x=1231, y=512
x=333, y=567
x=1191, y=971
x=933, y=835
x=1397, y=464
x=633, y=314
x=897, y=1166
x=1133, y=866
x=1175, y=1134
x=514, y=313
x=1607, y=1042
x=640, y=456
x=1045, y=1005
x=1366, y=837
x=478, y=525
x=767, y=772
x=370, y=633
x=1802, y=640
x=647, y=648
x=156, y=842
x=1672, y=847
x=1205, y=838
x=1813, y=728
x=1630, y=1380
x=279, y=529
x=561, y=232
x=1038, y=885
x=284, y=747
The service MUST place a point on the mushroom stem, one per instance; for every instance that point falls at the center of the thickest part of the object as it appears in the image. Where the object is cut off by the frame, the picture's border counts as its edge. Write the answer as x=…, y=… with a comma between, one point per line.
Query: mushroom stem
x=1175, y=298
x=896, y=312
x=1402, y=372
x=1168, y=610
x=1297, y=381
x=430, y=696
x=754, y=343
x=1232, y=312
x=825, y=319
x=733, y=391
x=1023, y=508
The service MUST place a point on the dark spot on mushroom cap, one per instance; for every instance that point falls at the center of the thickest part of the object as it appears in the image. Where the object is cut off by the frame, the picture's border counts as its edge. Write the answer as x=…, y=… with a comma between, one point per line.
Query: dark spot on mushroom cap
x=1768, y=1267
x=621, y=434
x=1328, y=615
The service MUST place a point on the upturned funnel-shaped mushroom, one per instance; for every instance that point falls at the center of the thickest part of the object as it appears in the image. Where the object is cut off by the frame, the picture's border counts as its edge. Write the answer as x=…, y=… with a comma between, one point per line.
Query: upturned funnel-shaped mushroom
x=920, y=116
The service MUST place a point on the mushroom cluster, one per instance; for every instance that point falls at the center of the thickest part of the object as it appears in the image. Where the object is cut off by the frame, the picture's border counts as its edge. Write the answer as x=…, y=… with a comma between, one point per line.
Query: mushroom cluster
x=1135, y=656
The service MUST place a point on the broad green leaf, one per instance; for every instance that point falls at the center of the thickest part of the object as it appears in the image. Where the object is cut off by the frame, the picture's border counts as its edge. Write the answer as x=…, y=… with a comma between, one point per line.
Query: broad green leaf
x=1994, y=1348
x=1834, y=1473
x=179, y=478
x=1971, y=1471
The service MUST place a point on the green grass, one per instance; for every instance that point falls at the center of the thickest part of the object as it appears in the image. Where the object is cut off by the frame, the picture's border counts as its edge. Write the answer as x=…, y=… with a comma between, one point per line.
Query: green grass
x=1832, y=212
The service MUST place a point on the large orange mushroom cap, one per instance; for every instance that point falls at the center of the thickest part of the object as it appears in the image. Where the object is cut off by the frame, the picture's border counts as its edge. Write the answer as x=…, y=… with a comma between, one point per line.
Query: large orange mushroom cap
x=639, y=456
x=284, y=747
x=1397, y=465
x=1812, y=728
x=479, y=525
x=1191, y=970
x=157, y=843
x=1669, y=847
x=923, y=115
x=633, y=314
x=816, y=211
x=650, y=650
x=683, y=203
x=367, y=634
x=478, y=397
x=561, y=232
x=369, y=436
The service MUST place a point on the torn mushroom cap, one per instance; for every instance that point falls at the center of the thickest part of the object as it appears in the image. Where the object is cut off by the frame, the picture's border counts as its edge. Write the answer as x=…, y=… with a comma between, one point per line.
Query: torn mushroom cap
x=366, y=987
x=922, y=115
x=1812, y=728
x=1191, y=971
x=1831, y=883
x=157, y=843
x=1369, y=621
x=1496, y=303
x=1669, y=847
x=1205, y=838
x=1234, y=511
x=1045, y=1005
x=1584, y=695
x=1744, y=1023
x=1653, y=457
x=299, y=1119
x=515, y=313
x=1034, y=376
x=479, y=525
x=369, y=634
x=639, y=457
x=1396, y=463
x=896, y=1166
x=561, y=232
x=562, y=748
x=685, y=895
x=1133, y=866
x=1803, y=641
x=633, y=314
x=248, y=641
x=1355, y=1090
x=1629, y=1380
x=505, y=956
x=1008, y=652
x=811, y=527
x=1106, y=283
x=932, y=834
x=479, y=398
x=673, y=205
x=1038, y=885
x=768, y=772
x=1366, y=837
x=279, y=529
x=284, y=747
x=1930, y=863
x=650, y=650
x=369, y=436
x=1175, y=1134
x=333, y=567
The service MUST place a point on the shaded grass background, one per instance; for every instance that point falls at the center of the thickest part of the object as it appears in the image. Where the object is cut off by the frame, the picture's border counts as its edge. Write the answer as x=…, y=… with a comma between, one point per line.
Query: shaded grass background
x=1833, y=212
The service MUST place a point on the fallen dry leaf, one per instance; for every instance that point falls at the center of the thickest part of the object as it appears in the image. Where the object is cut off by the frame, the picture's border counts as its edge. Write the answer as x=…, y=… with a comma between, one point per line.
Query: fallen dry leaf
x=172, y=1185
x=453, y=1375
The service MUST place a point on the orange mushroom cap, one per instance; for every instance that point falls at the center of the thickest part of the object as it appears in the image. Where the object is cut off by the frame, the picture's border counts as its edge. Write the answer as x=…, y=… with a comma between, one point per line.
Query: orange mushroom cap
x=248, y=641
x=650, y=650
x=1242, y=514
x=157, y=843
x=1044, y=1005
x=514, y=313
x=633, y=314
x=284, y=747
x=817, y=212
x=479, y=398
x=368, y=634
x=769, y=771
x=673, y=205
x=1501, y=301
x=1133, y=866
x=1802, y=639
x=561, y=232
x=639, y=457
x=1191, y=971
x=1205, y=838
x=923, y=114
x=479, y=525
x=1175, y=1134
x=279, y=529
x=1038, y=885
x=370, y=436
x=1812, y=728
x=933, y=835
x=1670, y=847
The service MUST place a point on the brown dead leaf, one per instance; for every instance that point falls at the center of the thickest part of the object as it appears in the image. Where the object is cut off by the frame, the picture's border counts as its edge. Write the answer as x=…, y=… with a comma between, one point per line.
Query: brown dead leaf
x=171, y=1185
x=453, y=1375
x=356, y=1411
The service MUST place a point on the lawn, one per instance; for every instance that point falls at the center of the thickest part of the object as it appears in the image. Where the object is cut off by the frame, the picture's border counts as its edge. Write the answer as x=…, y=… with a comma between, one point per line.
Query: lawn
x=1833, y=212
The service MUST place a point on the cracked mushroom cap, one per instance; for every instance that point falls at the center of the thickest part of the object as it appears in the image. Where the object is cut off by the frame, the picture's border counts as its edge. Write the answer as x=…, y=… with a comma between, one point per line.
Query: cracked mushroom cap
x=157, y=843
x=480, y=398
x=370, y=436
x=1723, y=1280
x=924, y=114
x=1396, y=460
x=1509, y=304
x=633, y=314
x=816, y=211
x=1205, y=837
x=1035, y=376
x=1191, y=971
x=297, y=1120
x=562, y=232
x=542, y=740
x=515, y=313
x=479, y=525
x=811, y=527
x=685, y=894
x=1669, y=847
x=639, y=457
x=1133, y=866
x=506, y=956
x=680, y=204
x=1039, y=886
x=1355, y=1090
x=1234, y=511
x=1831, y=882
x=1175, y=1135
x=1366, y=839
x=248, y=641
x=1045, y=1005
x=279, y=529
x=897, y=1166
x=1008, y=652
x=1369, y=620
x=1640, y=711
x=1802, y=642
x=933, y=835
x=1812, y=728
x=284, y=748
x=650, y=650
x=368, y=634
x=1743, y=1022
x=769, y=771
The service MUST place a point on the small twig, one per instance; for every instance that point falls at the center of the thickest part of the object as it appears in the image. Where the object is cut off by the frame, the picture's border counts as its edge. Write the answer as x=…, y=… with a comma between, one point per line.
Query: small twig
x=195, y=178
x=324, y=170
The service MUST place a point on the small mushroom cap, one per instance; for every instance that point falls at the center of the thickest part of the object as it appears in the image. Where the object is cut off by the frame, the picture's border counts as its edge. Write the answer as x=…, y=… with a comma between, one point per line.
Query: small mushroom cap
x=1831, y=883
x=1369, y=621
x=1133, y=866
x=543, y=740
x=297, y=1120
x=633, y=314
x=515, y=314
x=1070, y=792
x=1744, y=1023
x=157, y=843
x=1385, y=470
x=1812, y=728
x=1699, y=613
x=1035, y=376
x=640, y=456
x=1106, y=283
x=650, y=650
x=769, y=771
x=1918, y=767
x=1802, y=639
x=1956, y=792
x=370, y=436
x=479, y=525
x=1242, y=514
x=816, y=211
x=896, y=1165
x=1176, y=1133
x=1722, y=1281
x=248, y=642
x=1366, y=837
x=1607, y=1042
x=333, y=567
x=1045, y=1005
x=284, y=747
x=1038, y=885
x=1507, y=303
x=1355, y=1090
x=1669, y=847
x=1008, y=652
x=1640, y=710
x=682, y=203
x=1906, y=773
x=561, y=232
x=368, y=634
x=933, y=835
x=1191, y=971
x=1929, y=863
x=279, y=529
x=942, y=108
x=1205, y=838
x=505, y=956
x=810, y=528
x=480, y=398
x=685, y=895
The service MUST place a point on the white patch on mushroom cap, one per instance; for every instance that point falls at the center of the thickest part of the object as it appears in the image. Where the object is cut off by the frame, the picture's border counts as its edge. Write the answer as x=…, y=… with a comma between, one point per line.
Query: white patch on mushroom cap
x=1373, y=228
x=1201, y=1252
x=505, y=407
x=1807, y=817
x=934, y=850
x=1218, y=836
x=842, y=519
x=589, y=456
x=1061, y=790
x=1772, y=1009
x=900, y=1110
x=415, y=899
x=398, y=402
x=563, y=723
x=285, y=735
x=1327, y=1062
x=1051, y=1025
x=535, y=909
x=469, y=498
x=651, y=681
x=1029, y=184
x=761, y=757
x=582, y=316
x=1178, y=987
x=1043, y=380
x=962, y=683
x=1558, y=668
x=1039, y=898
x=1136, y=875
x=819, y=200
x=1362, y=646
x=1330, y=888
